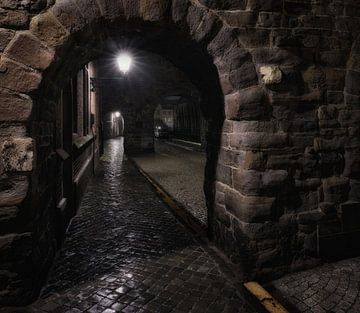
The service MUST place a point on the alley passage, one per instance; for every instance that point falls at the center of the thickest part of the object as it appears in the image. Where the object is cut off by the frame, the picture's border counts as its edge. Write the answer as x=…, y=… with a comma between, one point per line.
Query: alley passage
x=125, y=252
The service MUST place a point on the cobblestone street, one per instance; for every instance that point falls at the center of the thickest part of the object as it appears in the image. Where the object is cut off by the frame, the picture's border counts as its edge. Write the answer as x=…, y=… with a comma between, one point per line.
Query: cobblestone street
x=331, y=288
x=125, y=252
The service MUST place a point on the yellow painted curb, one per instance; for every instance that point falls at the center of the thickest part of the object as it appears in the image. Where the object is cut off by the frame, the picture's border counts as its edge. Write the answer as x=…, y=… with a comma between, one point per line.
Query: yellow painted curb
x=266, y=299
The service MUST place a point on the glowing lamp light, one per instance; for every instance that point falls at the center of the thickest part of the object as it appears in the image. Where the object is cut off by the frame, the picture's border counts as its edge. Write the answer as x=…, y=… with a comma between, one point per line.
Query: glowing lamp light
x=124, y=61
x=117, y=114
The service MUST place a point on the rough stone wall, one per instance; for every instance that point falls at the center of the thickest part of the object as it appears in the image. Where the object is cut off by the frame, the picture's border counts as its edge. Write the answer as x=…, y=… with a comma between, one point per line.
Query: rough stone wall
x=288, y=165
x=289, y=159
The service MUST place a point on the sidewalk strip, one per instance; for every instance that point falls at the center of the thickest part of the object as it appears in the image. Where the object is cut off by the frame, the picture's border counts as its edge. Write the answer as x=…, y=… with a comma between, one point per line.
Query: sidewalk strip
x=184, y=216
x=267, y=301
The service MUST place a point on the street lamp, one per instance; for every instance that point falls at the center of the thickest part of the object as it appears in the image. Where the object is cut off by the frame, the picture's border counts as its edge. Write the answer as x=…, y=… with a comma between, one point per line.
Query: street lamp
x=117, y=114
x=124, y=61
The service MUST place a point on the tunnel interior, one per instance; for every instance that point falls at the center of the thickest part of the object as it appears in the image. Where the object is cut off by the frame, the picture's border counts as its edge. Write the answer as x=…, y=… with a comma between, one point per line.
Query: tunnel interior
x=77, y=149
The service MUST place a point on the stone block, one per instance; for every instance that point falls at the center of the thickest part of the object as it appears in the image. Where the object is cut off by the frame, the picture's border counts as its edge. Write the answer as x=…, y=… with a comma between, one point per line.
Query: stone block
x=226, y=85
x=111, y=9
x=222, y=215
x=310, y=217
x=265, y=5
x=69, y=15
x=335, y=79
x=335, y=189
x=227, y=126
x=350, y=215
x=333, y=58
x=247, y=104
x=327, y=112
x=224, y=4
x=18, y=154
x=244, y=232
x=269, y=19
x=9, y=130
x=352, y=83
x=254, y=161
x=244, y=76
x=5, y=37
x=48, y=29
x=282, y=161
x=334, y=144
x=307, y=184
x=327, y=208
x=13, y=190
x=276, y=56
x=153, y=10
x=254, y=38
x=179, y=10
x=89, y=9
x=233, y=59
x=28, y=49
x=230, y=157
x=16, y=247
x=297, y=7
x=259, y=140
x=354, y=194
x=203, y=26
x=268, y=257
x=250, y=182
x=223, y=174
x=132, y=8
x=247, y=208
x=13, y=19
x=10, y=73
x=335, y=97
x=352, y=165
x=254, y=126
x=14, y=107
x=239, y=18
x=349, y=117
x=224, y=40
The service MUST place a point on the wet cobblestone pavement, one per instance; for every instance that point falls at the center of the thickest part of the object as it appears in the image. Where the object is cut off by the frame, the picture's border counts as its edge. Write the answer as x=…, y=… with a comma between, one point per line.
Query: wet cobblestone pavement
x=331, y=288
x=125, y=252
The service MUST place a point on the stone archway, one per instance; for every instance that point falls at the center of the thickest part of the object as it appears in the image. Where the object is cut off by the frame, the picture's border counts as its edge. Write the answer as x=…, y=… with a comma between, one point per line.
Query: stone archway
x=268, y=162
x=70, y=30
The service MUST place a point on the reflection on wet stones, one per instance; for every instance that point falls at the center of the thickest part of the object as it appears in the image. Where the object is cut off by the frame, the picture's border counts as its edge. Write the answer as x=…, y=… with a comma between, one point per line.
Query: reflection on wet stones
x=125, y=252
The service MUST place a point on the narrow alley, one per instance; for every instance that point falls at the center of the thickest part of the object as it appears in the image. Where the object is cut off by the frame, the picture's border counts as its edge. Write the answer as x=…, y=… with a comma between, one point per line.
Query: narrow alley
x=126, y=253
